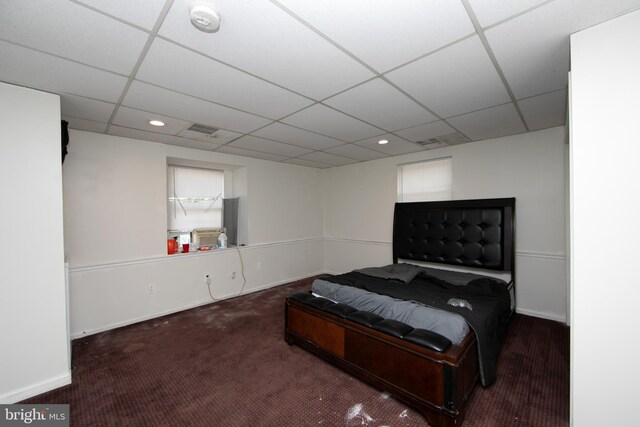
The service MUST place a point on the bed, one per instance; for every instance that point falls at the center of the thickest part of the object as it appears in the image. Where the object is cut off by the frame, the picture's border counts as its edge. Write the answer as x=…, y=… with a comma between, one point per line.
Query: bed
x=431, y=365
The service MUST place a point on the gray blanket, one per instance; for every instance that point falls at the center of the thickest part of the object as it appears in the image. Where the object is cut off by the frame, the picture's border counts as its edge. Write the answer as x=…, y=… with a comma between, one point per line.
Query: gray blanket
x=450, y=325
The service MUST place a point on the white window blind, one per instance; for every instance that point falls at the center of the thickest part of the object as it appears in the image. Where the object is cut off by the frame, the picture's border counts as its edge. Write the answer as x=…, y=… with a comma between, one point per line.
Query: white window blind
x=425, y=181
x=194, y=198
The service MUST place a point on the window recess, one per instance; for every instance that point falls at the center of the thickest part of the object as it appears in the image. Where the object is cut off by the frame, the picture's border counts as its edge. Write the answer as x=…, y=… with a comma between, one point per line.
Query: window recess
x=194, y=201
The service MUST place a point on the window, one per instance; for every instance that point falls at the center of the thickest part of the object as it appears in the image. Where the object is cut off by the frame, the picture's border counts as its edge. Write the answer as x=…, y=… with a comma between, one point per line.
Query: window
x=194, y=200
x=425, y=181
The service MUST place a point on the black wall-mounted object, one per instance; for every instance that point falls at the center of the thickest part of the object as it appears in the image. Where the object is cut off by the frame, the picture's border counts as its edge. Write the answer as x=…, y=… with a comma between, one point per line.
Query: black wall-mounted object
x=64, y=125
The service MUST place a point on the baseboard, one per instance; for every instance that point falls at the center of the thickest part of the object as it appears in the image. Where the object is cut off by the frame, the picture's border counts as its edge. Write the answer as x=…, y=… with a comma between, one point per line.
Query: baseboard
x=34, y=390
x=548, y=316
x=186, y=307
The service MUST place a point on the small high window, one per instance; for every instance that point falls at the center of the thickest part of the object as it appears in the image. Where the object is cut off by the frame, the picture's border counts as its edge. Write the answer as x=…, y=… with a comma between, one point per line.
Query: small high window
x=425, y=181
x=194, y=200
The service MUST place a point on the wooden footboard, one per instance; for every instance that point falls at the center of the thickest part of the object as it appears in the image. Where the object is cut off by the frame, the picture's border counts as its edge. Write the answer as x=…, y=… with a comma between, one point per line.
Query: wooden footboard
x=436, y=384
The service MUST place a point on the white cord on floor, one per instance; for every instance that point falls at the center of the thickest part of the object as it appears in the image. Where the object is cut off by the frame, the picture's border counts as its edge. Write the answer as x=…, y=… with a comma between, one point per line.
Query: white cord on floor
x=209, y=288
x=244, y=279
x=241, y=271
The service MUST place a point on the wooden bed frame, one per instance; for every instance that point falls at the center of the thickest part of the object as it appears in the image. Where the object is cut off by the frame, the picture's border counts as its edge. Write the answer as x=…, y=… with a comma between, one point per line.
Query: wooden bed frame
x=435, y=383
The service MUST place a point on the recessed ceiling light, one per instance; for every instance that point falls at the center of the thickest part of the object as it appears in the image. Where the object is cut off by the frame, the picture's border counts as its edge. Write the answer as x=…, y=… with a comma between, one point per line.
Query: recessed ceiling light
x=383, y=141
x=156, y=123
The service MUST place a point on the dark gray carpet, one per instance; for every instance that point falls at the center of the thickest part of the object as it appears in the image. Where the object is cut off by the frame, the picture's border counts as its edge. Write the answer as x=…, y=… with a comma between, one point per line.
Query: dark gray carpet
x=226, y=364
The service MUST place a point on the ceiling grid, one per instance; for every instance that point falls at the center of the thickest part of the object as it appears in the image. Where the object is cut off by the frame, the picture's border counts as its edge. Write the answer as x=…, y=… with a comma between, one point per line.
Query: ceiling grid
x=309, y=83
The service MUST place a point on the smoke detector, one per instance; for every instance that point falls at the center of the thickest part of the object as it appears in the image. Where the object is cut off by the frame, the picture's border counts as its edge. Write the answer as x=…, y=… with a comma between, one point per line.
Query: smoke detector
x=204, y=17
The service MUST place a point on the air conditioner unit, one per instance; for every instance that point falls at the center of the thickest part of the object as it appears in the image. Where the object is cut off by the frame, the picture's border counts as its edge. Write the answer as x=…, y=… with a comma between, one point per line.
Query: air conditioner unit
x=206, y=237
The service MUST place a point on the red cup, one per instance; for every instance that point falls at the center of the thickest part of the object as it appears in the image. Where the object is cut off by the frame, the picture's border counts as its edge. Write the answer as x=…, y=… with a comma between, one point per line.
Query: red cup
x=185, y=248
x=172, y=246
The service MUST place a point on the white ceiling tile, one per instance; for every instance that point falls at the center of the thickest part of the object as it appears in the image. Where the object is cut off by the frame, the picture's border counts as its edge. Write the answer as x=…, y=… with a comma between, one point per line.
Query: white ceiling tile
x=545, y=111
x=268, y=146
x=357, y=152
x=491, y=11
x=424, y=132
x=85, y=108
x=138, y=119
x=291, y=135
x=219, y=137
x=266, y=41
x=326, y=121
x=227, y=149
x=308, y=163
x=327, y=158
x=385, y=34
x=83, y=124
x=26, y=67
x=188, y=72
x=490, y=123
x=196, y=144
x=533, y=49
x=160, y=138
x=82, y=41
x=151, y=98
x=141, y=13
x=380, y=104
x=586, y=13
x=395, y=147
x=455, y=80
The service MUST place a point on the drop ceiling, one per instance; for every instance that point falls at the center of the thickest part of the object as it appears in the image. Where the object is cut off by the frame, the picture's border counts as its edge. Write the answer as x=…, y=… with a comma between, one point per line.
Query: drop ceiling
x=313, y=83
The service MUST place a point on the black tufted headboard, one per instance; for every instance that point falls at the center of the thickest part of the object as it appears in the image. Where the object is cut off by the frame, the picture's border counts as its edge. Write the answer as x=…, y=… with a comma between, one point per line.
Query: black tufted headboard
x=468, y=233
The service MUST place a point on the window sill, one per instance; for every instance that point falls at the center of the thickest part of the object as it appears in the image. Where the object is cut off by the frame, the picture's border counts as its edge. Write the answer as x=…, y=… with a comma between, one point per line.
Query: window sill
x=204, y=252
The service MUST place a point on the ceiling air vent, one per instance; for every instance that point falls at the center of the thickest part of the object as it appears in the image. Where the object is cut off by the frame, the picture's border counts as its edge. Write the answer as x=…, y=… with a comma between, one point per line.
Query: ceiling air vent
x=206, y=130
x=443, y=140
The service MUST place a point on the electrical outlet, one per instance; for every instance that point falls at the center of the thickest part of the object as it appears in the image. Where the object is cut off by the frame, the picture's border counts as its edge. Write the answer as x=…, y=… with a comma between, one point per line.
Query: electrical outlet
x=207, y=279
x=152, y=288
x=233, y=275
x=259, y=266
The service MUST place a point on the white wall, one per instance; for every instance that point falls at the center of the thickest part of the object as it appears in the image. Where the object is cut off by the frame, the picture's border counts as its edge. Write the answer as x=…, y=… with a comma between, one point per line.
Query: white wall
x=359, y=209
x=115, y=227
x=605, y=148
x=107, y=296
x=114, y=199
x=285, y=203
x=33, y=329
